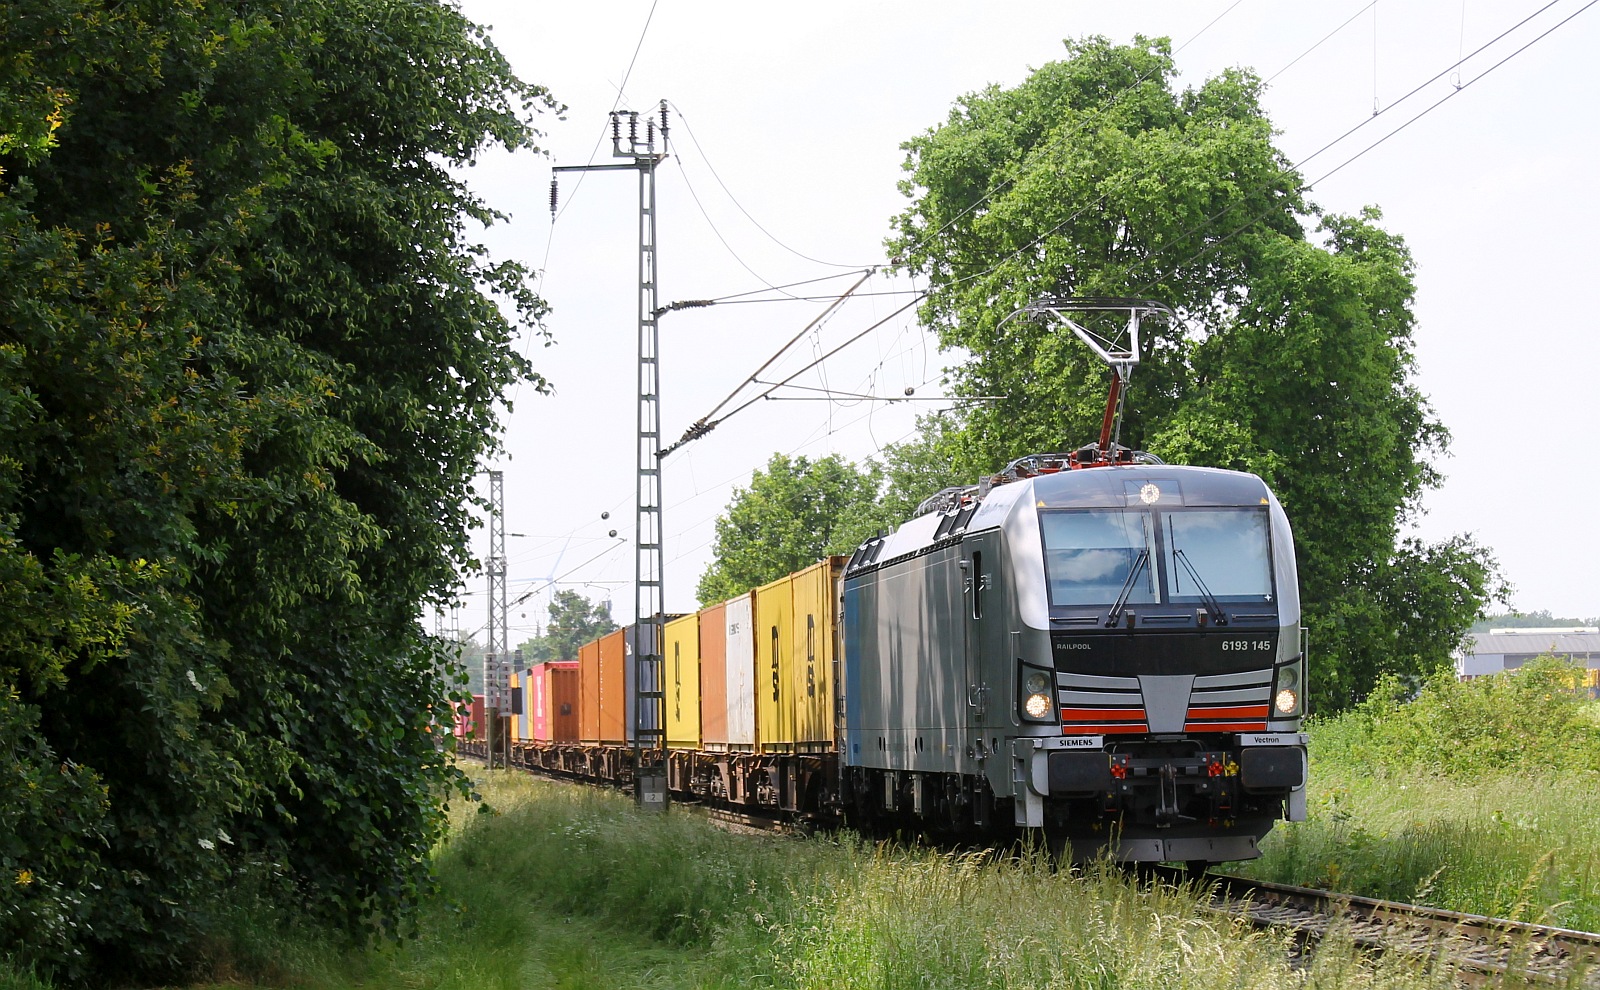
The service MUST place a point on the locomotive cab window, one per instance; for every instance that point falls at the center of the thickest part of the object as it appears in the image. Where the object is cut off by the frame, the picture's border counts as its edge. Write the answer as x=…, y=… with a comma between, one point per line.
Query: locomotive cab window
x=1174, y=555
x=1089, y=553
x=1223, y=551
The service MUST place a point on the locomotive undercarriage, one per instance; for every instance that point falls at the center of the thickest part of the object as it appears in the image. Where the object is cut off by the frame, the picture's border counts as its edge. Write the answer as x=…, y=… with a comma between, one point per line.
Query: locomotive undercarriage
x=1190, y=800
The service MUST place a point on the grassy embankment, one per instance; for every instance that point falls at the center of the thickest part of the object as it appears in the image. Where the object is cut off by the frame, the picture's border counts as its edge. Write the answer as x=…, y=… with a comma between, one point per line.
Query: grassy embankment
x=569, y=887
x=1480, y=797
x=1476, y=797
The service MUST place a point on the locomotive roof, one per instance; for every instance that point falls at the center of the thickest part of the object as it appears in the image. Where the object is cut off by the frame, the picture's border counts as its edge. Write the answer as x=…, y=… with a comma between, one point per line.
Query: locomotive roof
x=1110, y=487
x=1175, y=484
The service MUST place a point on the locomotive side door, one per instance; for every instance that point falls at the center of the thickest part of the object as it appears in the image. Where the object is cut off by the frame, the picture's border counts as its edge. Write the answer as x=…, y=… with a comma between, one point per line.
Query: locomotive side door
x=983, y=593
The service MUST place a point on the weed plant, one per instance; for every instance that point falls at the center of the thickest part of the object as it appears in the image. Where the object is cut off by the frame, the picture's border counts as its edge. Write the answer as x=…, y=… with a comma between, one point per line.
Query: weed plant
x=1478, y=797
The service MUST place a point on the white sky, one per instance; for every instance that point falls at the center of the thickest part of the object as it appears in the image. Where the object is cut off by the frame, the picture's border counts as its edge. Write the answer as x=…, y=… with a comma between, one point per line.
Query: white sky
x=793, y=114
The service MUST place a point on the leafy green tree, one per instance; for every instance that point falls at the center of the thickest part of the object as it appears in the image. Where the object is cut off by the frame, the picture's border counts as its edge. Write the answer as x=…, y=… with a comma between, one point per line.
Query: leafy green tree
x=1528, y=620
x=574, y=621
x=793, y=514
x=1291, y=357
x=248, y=366
x=466, y=661
x=938, y=457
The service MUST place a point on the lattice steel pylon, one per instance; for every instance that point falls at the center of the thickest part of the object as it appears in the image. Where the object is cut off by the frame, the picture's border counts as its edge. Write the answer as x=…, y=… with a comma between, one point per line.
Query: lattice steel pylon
x=649, y=734
x=497, y=654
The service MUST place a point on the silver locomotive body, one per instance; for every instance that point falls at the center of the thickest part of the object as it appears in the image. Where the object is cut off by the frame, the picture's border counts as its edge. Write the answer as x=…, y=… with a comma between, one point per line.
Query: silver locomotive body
x=1112, y=655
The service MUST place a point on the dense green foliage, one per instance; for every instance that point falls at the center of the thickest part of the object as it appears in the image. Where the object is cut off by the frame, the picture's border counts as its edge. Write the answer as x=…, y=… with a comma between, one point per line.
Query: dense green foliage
x=574, y=621
x=1292, y=355
x=247, y=370
x=793, y=514
x=1475, y=796
x=1536, y=718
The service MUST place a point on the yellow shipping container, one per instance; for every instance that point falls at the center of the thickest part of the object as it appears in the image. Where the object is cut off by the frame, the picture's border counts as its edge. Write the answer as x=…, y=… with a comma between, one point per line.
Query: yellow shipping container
x=811, y=684
x=515, y=724
x=681, y=669
x=774, y=663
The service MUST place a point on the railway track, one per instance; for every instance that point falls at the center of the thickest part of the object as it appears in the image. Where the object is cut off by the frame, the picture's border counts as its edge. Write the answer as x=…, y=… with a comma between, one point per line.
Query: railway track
x=1482, y=950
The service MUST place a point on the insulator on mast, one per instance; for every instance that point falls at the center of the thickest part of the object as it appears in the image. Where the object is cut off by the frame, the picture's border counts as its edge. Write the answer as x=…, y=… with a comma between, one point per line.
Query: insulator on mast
x=650, y=133
x=633, y=127
x=616, y=128
x=553, y=195
x=663, y=125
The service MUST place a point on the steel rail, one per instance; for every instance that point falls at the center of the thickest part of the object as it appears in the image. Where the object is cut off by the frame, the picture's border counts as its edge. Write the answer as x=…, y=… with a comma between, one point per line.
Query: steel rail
x=1480, y=948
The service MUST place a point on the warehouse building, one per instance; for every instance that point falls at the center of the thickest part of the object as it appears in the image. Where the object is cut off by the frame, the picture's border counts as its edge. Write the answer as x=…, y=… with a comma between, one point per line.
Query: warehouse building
x=1507, y=649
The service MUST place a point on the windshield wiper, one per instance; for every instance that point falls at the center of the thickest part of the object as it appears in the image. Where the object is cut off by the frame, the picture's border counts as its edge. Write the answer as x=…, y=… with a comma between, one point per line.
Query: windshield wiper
x=1213, y=606
x=1127, y=587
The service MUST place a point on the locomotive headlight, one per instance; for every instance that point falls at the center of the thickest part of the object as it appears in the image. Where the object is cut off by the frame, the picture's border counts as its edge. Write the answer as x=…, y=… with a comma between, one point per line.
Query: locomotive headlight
x=1036, y=693
x=1286, y=690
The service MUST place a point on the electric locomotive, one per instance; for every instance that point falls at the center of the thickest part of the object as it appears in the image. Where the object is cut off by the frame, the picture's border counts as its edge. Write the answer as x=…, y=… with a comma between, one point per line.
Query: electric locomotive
x=1093, y=643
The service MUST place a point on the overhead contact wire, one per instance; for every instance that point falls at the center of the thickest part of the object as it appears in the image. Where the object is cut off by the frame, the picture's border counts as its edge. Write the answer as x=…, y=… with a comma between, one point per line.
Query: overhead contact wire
x=684, y=120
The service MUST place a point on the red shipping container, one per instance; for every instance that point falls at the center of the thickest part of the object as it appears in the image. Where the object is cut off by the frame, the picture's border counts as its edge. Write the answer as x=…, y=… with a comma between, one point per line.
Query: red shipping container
x=554, y=701
x=538, y=690
x=469, y=719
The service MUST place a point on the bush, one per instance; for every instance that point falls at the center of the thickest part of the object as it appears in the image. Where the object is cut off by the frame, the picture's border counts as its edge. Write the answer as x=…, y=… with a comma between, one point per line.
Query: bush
x=1535, y=718
x=1475, y=796
x=52, y=827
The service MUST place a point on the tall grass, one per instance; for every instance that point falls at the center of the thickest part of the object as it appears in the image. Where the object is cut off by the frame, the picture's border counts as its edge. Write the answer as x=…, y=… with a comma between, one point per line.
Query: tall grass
x=1522, y=847
x=839, y=912
x=569, y=887
x=918, y=919
x=1479, y=797
x=553, y=886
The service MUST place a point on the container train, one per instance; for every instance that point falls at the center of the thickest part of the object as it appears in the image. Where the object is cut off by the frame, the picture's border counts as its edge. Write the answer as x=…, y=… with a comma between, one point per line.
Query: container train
x=1094, y=646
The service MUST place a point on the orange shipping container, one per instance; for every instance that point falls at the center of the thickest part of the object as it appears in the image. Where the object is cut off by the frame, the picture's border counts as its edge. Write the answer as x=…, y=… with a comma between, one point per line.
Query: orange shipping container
x=714, y=677
x=614, y=714
x=589, y=692
x=562, y=690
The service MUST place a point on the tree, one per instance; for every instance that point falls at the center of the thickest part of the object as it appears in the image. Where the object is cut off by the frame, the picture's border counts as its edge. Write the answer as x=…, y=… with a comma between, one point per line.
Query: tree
x=792, y=515
x=248, y=368
x=1529, y=620
x=574, y=621
x=465, y=660
x=932, y=460
x=1289, y=357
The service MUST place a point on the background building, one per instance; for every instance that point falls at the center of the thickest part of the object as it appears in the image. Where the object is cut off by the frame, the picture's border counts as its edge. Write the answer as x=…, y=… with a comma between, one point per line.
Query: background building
x=1507, y=649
